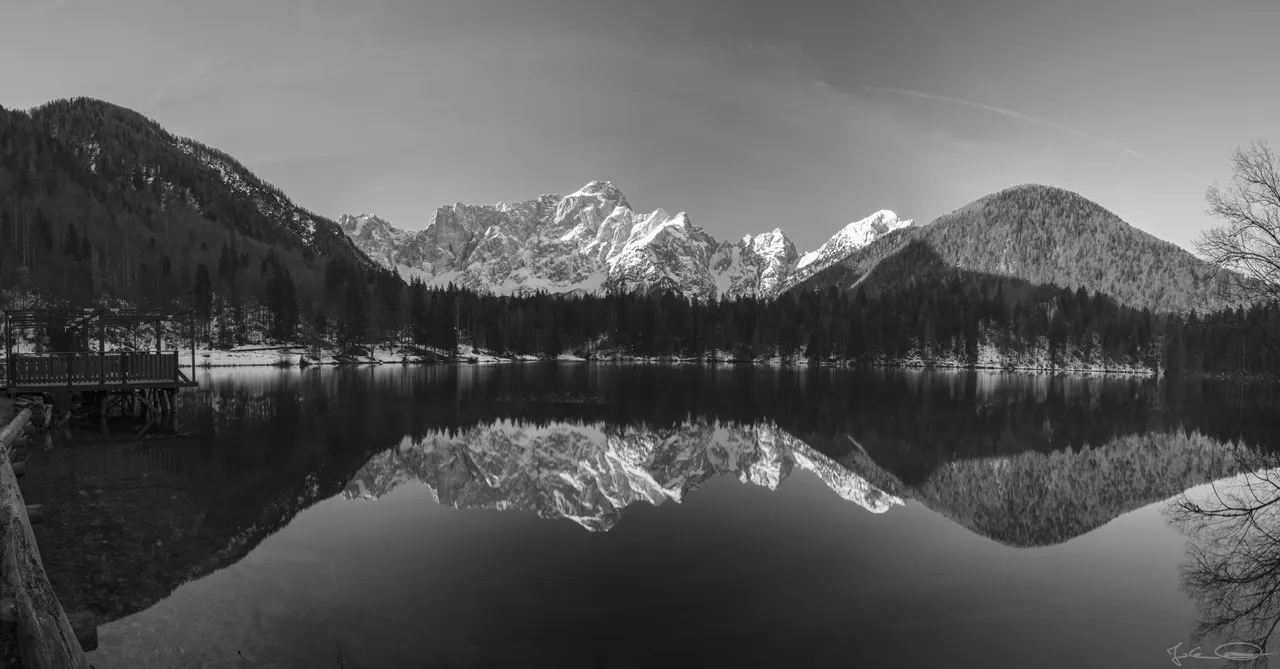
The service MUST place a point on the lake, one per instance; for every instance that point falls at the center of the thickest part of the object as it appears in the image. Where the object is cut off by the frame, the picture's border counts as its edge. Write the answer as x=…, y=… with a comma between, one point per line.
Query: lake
x=616, y=515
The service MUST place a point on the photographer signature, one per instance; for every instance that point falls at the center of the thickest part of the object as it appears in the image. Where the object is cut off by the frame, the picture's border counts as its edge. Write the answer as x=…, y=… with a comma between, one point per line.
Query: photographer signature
x=1238, y=651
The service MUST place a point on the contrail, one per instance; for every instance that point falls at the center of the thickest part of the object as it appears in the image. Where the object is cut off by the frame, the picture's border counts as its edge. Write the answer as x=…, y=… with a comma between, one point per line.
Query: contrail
x=1051, y=124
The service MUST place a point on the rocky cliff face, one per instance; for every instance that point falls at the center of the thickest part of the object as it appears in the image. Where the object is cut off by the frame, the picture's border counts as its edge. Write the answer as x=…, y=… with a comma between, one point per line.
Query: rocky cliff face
x=376, y=237
x=593, y=241
x=590, y=473
x=756, y=266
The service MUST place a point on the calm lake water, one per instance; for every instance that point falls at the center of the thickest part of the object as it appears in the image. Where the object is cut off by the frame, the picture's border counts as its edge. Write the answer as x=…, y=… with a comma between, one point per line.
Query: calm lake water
x=584, y=515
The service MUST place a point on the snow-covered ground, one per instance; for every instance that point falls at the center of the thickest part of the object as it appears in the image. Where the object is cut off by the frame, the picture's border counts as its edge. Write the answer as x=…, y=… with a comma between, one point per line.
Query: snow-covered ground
x=466, y=353
x=293, y=356
x=1069, y=359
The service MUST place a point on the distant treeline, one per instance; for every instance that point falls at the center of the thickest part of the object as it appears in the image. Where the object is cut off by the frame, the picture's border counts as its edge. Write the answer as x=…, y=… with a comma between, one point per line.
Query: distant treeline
x=952, y=321
x=933, y=319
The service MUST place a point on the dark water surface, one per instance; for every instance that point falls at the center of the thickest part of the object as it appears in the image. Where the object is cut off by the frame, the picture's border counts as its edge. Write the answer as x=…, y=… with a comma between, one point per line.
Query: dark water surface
x=582, y=515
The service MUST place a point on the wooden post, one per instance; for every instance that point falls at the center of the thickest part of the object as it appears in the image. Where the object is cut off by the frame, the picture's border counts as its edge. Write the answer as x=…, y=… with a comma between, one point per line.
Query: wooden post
x=102, y=352
x=8, y=350
x=45, y=636
x=103, y=399
x=159, y=327
x=146, y=402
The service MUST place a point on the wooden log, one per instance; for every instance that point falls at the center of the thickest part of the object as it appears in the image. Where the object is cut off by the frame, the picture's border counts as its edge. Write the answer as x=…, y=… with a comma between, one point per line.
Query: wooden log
x=45, y=637
x=48, y=416
x=9, y=610
x=85, y=625
x=35, y=513
x=9, y=435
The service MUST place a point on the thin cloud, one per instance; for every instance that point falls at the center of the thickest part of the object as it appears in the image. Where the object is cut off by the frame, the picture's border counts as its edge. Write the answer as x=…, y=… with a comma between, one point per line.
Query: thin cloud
x=1040, y=121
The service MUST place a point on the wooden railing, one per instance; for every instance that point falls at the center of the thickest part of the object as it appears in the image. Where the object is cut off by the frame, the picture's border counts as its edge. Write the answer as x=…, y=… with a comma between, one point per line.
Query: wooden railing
x=80, y=369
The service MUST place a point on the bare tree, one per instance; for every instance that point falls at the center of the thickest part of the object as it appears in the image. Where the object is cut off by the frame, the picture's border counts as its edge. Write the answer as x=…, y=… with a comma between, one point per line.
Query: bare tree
x=1246, y=250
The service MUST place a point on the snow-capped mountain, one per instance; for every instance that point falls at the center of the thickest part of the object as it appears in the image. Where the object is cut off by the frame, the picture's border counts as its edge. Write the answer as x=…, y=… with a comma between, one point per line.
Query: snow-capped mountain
x=590, y=473
x=593, y=241
x=756, y=266
x=850, y=238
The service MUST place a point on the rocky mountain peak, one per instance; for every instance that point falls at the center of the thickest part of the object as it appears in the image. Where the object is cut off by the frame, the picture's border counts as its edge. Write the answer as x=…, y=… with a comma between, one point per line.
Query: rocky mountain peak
x=772, y=243
x=355, y=225
x=604, y=191
x=593, y=240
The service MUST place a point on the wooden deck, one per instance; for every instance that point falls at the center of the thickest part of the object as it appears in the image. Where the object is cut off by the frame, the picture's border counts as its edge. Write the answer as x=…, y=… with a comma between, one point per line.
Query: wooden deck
x=116, y=371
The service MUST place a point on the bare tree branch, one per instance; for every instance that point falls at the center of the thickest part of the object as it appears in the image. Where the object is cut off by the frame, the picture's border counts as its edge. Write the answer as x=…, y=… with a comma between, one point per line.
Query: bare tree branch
x=1247, y=247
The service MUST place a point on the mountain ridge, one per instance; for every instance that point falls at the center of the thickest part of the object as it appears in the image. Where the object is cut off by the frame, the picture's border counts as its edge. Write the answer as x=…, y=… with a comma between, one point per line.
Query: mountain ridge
x=593, y=240
x=1044, y=235
x=107, y=204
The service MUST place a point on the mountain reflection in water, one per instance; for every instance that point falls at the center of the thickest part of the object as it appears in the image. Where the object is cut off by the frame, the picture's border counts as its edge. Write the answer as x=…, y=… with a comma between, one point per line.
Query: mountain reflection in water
x=977, y=467
x=589, y=473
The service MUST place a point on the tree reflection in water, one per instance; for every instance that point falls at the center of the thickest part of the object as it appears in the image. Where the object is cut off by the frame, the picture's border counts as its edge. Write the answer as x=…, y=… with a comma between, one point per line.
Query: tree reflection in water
x=1233, y=566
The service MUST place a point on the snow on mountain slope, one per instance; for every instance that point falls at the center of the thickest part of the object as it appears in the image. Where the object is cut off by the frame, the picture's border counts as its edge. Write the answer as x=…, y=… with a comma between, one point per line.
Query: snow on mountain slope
x=756, y=266
x=590, y=473
x=672, y=253
x=850, y=238
x=592, y=241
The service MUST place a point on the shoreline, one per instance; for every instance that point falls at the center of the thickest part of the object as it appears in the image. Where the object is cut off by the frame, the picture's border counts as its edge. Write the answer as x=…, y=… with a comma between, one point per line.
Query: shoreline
x=287, y=358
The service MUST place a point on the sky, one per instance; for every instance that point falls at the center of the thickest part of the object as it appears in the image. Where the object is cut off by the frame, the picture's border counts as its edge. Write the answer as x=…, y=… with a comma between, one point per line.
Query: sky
x=746, y=115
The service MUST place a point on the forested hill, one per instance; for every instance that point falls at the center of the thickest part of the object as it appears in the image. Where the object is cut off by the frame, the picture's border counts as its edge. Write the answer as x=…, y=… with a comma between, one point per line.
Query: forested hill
x=1041, y=235
x=98, y=200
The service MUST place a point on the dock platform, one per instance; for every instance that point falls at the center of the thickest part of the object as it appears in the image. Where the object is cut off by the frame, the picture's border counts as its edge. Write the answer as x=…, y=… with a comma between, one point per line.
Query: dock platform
x=69, y=369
